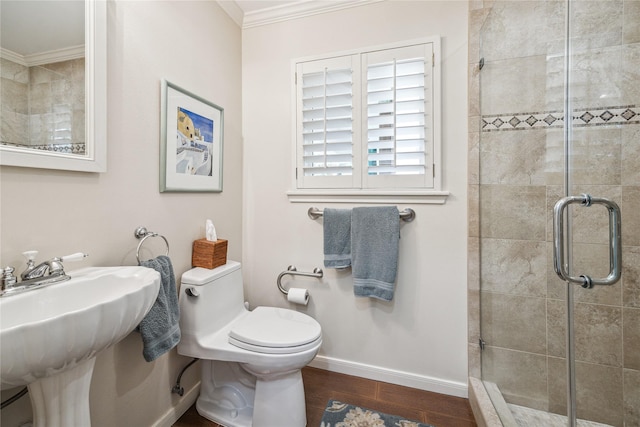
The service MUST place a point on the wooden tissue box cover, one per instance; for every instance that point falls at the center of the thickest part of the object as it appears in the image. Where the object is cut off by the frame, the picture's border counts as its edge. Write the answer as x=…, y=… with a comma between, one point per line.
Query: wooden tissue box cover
x=207, y=254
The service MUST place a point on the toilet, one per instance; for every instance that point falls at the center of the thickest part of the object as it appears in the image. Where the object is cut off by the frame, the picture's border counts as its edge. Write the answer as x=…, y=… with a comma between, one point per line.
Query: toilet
x=251, y=360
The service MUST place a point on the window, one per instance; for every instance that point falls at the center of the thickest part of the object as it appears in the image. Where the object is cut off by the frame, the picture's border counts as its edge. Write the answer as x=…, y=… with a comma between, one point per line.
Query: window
x=369, y=120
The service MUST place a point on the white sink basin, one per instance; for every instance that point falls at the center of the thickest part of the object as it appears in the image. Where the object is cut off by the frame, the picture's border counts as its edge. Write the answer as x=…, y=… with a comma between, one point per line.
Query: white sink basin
x=48, y=333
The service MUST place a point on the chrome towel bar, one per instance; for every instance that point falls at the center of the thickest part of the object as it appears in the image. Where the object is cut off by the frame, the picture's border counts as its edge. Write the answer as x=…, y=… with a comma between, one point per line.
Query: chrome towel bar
x=317, y=272
x=143, y=234
x=406, y=214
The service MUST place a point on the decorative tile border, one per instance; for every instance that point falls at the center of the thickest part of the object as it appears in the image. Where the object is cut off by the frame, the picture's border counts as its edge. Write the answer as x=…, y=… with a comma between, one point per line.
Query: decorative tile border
x=629, y=114
x=78, y=148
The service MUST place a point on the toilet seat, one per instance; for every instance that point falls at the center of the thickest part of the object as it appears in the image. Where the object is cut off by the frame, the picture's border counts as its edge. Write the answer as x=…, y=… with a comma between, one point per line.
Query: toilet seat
x=275, y=330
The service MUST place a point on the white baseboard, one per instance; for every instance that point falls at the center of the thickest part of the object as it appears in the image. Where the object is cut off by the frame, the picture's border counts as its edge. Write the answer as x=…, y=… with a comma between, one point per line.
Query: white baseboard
x=174, y=413
x=402, y=378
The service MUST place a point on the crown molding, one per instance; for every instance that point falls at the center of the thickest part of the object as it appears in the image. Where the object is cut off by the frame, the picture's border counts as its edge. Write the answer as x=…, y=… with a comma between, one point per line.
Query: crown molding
x=297, y=10
x=233, y=10
x=50, y=57
x=294, y=10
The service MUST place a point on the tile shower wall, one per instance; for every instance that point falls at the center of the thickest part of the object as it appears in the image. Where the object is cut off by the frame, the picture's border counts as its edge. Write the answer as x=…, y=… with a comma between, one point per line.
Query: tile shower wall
x=43, y=105
x=520, y=177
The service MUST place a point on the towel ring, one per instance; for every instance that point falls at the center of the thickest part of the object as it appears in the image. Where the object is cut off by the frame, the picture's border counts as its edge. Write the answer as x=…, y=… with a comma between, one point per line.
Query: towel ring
x=143, y=234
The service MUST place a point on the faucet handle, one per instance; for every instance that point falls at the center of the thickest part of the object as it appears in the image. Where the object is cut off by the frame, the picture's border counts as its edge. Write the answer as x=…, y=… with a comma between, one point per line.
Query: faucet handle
x=78, y=256
x=8, y=279
x=30, y=256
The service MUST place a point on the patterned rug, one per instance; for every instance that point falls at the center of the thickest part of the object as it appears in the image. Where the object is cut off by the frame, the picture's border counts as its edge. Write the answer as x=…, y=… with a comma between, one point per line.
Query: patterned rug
x=338, y=414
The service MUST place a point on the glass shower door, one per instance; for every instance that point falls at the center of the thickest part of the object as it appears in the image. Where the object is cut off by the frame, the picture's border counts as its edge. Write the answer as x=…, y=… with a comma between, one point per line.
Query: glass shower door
x=560, y=108
x=602, y=67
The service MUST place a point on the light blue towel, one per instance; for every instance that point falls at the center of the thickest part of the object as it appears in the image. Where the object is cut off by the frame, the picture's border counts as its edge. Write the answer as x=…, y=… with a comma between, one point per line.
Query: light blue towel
x=337, y=238
x=375, y=235
x=160, y=328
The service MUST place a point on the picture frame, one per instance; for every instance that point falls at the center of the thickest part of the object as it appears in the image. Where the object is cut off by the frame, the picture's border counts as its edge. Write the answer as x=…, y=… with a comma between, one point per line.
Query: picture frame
x=191, y=142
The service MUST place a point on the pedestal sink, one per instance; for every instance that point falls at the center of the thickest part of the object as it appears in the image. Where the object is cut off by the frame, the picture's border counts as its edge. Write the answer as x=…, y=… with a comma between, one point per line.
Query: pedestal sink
x=49, y=337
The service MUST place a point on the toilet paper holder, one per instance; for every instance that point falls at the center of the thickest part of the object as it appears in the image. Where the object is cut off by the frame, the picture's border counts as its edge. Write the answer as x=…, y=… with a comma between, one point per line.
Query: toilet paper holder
x=291, y=270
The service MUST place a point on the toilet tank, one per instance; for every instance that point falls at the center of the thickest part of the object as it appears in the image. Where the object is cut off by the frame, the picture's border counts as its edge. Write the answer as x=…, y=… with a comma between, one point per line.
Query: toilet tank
x=220, y=298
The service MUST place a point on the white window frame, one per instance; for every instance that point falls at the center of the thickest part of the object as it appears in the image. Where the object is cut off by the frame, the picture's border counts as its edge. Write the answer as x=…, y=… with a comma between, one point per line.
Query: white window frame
x=361, y=187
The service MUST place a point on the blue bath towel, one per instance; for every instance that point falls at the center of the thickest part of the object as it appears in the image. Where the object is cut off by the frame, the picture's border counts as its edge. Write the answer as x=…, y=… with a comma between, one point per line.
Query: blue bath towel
x=160, y=328
x=375, y=235
x=337, y=238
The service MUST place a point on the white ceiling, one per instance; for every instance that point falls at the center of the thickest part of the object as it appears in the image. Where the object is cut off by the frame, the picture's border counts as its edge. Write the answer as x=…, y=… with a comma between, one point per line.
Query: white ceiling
x=29, y=27
x=253, y=6
x=26, y=27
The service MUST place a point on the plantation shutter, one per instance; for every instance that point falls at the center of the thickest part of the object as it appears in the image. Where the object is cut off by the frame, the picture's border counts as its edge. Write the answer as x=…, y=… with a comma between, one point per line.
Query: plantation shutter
x=328, y=99
x=398, y=117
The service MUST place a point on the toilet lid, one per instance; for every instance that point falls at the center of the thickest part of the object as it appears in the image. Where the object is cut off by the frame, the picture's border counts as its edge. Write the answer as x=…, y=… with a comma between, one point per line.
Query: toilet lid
x=274, y=330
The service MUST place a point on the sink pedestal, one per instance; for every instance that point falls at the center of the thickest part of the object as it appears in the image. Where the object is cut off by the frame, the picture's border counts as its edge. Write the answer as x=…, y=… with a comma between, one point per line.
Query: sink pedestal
x=62, y=400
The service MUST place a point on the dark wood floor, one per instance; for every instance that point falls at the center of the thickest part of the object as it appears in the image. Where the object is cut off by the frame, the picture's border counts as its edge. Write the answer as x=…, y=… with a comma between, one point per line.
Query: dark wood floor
x=319, y=385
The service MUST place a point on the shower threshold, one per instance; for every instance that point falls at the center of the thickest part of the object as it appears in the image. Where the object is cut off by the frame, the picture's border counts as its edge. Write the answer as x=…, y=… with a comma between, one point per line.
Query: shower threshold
x=533, y=417
x=512, y=415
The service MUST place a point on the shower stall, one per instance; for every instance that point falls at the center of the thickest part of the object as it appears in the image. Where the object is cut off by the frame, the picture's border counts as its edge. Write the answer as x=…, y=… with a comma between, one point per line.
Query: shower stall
x=558, y=124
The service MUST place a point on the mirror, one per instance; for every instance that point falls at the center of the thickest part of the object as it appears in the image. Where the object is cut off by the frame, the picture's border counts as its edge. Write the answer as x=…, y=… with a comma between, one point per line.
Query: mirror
x=53, y=69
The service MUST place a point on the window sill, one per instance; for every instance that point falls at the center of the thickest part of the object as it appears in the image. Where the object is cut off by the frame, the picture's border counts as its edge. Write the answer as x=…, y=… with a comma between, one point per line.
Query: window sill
x=368, y=196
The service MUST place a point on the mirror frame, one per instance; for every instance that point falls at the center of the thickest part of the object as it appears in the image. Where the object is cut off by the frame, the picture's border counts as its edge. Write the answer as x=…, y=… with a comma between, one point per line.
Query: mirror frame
x=95, y=159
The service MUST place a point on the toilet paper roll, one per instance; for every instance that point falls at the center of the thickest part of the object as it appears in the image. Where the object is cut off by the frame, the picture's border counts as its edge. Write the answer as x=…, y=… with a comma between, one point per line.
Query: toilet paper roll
x=298, y=296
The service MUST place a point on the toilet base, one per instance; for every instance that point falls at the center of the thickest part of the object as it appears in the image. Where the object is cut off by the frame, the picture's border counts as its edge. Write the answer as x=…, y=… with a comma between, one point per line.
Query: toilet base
x=233, y=397
x=280, y=401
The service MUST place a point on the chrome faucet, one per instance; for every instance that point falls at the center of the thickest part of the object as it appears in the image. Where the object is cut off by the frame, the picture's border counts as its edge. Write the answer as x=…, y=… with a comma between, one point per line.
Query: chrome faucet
x=36, y=276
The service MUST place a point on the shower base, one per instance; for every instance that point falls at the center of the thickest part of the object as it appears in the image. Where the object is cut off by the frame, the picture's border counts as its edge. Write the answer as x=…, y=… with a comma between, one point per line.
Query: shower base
x=491, y=410
x=526, y=417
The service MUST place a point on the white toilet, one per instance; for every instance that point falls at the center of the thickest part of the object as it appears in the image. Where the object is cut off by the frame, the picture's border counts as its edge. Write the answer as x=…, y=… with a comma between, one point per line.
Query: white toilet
x=251, y=360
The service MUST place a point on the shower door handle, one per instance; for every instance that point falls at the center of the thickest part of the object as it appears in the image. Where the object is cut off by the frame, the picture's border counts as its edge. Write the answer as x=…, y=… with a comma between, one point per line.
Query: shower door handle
x=615, y=248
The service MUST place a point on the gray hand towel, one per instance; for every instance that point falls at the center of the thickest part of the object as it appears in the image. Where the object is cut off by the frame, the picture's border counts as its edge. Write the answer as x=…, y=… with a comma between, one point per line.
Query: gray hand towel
x=160, y=328
x=337, y=238
x=375, y=234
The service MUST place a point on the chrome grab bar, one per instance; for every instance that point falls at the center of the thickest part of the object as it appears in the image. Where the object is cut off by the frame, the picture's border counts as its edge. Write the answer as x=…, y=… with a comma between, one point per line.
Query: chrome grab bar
x=406, y=214
x=615, y=248
x=317, y=272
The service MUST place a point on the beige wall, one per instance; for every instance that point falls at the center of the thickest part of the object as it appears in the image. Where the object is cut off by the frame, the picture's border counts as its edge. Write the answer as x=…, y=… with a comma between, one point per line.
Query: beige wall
x=420, y=338
x=196, y=46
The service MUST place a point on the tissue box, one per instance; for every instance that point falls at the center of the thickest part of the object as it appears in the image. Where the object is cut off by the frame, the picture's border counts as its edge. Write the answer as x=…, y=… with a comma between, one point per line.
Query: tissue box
x=207, y=254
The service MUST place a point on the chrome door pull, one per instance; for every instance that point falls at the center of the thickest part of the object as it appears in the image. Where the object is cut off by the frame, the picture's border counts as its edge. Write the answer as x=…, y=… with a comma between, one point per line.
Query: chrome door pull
x=615, y=248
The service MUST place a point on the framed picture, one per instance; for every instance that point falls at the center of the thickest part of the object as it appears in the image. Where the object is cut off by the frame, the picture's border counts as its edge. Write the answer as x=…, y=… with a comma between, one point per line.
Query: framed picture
x=190, y=142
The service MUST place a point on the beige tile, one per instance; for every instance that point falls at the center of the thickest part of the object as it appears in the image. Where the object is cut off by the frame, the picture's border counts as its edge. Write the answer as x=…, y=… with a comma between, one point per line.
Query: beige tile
x=596, y=76
x=556, y=327
x=630, y=74
x=512, y=212
x=631, y=22
x=631, y=276
x=513, y=321
x=631, y=397
x=630, y=215
x=502, y=160
x=513, y=266
x=473, y=214
x=598, y=334
x=593, y=261
x=599, y=391
x=596, y=155
x=473, y=263
x=473, y=165
x=591, y=224
x=630, y=135
x=557, y=385
x=475, y=363
x=518, y=29
x=528, y=387
x=503, y=91
x=596, y=24
x=631, y=339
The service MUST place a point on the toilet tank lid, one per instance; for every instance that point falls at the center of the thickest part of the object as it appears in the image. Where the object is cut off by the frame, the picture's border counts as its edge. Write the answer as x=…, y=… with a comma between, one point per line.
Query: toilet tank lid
x=201, y=276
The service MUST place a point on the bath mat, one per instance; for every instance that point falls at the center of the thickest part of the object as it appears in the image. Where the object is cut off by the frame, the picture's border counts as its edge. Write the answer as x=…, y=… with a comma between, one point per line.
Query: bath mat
x=338, y=414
